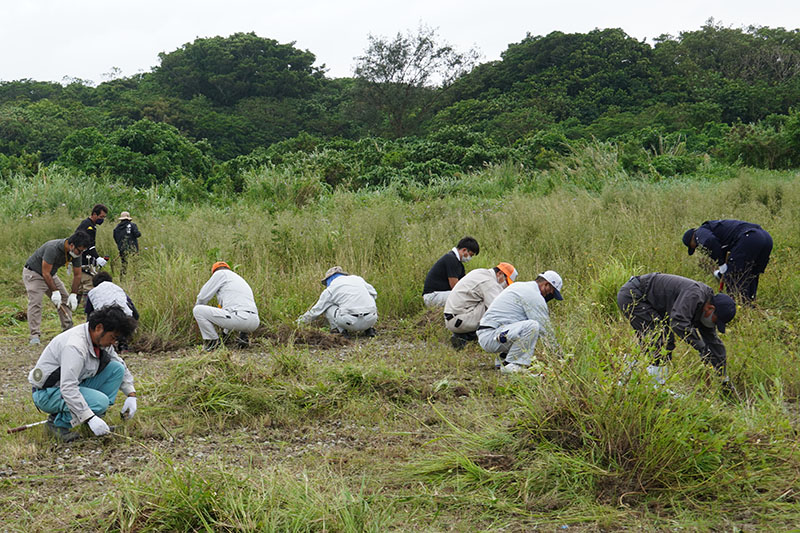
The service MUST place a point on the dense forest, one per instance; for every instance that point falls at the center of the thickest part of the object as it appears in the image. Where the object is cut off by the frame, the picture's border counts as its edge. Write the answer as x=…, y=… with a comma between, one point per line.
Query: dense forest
x=416, y=109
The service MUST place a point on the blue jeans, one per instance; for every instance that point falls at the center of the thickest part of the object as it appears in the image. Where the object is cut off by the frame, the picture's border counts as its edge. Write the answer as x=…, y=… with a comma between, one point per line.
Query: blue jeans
x=99, y=392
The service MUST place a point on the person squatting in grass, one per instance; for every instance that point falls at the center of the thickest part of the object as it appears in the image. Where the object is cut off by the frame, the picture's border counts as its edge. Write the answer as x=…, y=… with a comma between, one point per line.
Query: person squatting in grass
x=470, y=298
x=659, y=306
x=39, y=277
x=78, y=375
x=90, y=258
x=516, y=318
x=106, y=293
x=348, y=302
x=741, y=249
x=237, y=309
x=446, y=271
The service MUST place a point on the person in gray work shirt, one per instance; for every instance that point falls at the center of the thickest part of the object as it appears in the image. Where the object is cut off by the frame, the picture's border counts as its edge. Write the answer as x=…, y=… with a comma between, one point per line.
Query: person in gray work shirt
x=40, y=279
x=659, y=306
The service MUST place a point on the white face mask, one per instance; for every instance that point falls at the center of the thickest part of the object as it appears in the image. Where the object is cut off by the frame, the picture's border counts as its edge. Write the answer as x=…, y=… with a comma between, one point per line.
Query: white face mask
x=466, y=259
x=504, y=284
x=74, y=255
x=707, y=322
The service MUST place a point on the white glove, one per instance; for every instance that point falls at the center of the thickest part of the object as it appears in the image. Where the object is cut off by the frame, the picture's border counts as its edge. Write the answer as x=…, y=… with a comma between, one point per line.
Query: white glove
x=98, y=426
x=56, y=298
x=717, y=274
x=129, y=407
x=723, y=268
x=72, y=301
x=101, y=262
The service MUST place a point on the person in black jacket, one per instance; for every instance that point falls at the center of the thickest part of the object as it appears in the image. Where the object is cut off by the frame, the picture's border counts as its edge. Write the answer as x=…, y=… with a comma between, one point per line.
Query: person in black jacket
x=741, y=249
x=90, y=257
x=662, y=305
x=126, y=235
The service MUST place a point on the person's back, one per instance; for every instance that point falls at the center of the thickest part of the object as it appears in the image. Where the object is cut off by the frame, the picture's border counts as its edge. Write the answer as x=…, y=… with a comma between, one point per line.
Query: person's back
x=478, y=287
x=108, y=293
x=231, y=290
x=126, y=235
x=352, y=294
x=520, y=301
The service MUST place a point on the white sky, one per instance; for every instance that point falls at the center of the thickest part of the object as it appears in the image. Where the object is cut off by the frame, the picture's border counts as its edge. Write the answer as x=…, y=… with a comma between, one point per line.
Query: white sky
x=51, y=39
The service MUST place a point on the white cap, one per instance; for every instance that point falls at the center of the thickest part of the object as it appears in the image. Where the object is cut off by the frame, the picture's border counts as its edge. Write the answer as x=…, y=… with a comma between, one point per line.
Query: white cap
x=554, y=279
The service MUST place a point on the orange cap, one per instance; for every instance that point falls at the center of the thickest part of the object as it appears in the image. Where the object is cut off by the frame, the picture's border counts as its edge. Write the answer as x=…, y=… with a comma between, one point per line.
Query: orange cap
x=509, y=270
x=219, y=264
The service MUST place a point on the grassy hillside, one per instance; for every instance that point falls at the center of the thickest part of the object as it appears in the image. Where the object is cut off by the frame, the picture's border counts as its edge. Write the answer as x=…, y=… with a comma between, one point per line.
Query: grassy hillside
x=305, y=432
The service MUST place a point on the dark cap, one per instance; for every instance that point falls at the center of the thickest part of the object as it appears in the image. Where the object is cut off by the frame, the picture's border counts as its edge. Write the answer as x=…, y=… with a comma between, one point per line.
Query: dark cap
x=724, y=308
x=687, y=239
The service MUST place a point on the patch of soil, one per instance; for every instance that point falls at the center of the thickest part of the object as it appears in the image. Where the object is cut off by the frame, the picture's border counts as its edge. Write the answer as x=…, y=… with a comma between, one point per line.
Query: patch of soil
x=284, y=334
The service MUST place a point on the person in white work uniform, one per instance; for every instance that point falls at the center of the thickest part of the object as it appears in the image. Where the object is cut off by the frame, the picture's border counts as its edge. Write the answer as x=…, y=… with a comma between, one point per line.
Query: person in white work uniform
x=515, y=320
x=236, y=312
x=348, y=302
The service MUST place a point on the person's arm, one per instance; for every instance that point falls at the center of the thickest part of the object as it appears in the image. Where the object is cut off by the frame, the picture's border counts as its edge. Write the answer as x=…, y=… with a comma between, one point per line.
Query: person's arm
x=681, y=318
x=489, y=290
x=371, y=290
x=135, y=231
x=714, y=353
x=324, y=301
x=454, y=270
x=132, y=308
x=127, y=378
x=209, y=289
x=71, y=365
x=47, y=268
x=705, y=238
x=88, y=307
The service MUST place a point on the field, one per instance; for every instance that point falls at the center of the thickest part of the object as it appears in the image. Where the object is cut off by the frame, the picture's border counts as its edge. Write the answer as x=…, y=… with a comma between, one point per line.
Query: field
x=310, y=432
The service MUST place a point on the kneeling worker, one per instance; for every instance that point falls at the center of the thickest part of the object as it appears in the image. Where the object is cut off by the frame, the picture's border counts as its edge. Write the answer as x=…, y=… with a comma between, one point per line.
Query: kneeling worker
x=660, y=305
x=516, y=318
x=470, y=298
x=237, y=307
x=78, y=375
x=348, y=302
x=446, y=271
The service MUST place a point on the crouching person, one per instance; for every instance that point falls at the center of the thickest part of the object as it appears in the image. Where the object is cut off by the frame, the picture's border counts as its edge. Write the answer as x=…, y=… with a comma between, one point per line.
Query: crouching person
x=236, y=312
x=106, y=293
x=348, y=302
x=516, y=319
x=470, y=298
x=78, y=375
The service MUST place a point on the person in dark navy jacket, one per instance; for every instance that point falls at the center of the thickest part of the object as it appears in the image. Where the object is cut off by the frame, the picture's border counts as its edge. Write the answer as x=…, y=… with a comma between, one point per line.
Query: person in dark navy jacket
x=741, y=249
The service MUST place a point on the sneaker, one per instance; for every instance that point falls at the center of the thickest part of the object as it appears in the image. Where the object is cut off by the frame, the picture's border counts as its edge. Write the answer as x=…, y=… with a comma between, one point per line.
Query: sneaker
x=500, y=360
x=242, y=340
x=34, y=341
x=59, y=433
x=513, y=368
x=210, y=345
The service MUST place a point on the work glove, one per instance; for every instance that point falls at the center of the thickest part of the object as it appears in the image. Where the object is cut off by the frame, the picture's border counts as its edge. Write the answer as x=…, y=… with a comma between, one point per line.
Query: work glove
x=723, y=268
x=98, y=426
x=718, y=274
x=72, y=301
x=56, y=298
x=101, y=262
x=129, y=407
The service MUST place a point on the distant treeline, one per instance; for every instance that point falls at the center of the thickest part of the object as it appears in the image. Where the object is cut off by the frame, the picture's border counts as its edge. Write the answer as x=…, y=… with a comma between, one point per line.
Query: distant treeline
x=218, y=108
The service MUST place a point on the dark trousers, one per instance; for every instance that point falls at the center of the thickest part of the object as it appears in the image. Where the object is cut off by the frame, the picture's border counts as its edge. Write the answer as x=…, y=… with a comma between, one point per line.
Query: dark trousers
x=651, y=326
x=748, y=259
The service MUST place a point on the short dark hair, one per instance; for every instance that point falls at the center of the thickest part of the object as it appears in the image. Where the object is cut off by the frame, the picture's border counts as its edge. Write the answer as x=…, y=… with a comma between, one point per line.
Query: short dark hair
x=113, y=318
x=470, y=244
x=100, y=277
x=99, y=208
x=80, y=239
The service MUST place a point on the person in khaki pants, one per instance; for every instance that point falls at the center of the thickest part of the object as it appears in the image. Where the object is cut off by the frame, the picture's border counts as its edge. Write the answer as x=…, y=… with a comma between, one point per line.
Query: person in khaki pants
x=39, y=277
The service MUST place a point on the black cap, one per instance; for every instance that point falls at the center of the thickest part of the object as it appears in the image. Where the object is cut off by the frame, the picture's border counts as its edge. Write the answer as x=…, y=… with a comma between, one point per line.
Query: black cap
x=724, y=308
x=687, y=239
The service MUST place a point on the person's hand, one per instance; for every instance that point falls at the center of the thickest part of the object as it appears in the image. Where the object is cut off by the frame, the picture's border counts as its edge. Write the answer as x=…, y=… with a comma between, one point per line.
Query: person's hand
x=723, y=268
x=98, y=426
x=101, y=262
x=129, y=407
x=72, y=301
x=718, y=274
x=56, y=298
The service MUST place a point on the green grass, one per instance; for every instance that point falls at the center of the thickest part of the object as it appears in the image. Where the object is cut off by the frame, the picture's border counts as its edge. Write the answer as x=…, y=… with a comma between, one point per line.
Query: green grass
x=401, y=432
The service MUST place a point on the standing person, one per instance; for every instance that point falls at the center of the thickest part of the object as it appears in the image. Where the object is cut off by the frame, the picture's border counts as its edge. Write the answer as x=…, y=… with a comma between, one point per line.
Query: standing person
x=446, y=271
x=659, y=306
x=126, y=235
x=106, y=293
x=470, y=298
x=515, y=320
x=348, y=302
x=237, y=309
x=90, y=257
x=78, y=375
x=39, y=277
x=741, y=249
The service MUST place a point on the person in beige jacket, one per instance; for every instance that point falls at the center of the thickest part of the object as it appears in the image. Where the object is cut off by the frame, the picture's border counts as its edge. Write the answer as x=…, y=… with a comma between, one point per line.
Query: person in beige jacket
x=470, y=298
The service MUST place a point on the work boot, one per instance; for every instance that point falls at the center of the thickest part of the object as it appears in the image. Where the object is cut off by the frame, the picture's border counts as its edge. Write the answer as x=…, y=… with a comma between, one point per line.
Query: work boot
x=500, y=360
x=242, y=340
x=370, y=332
x=458, y=341
x=59, y=433
x=210, y=345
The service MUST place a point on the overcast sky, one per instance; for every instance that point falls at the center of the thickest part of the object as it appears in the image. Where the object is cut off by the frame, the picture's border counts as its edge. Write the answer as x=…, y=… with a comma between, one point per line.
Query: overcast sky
x=51, y=39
